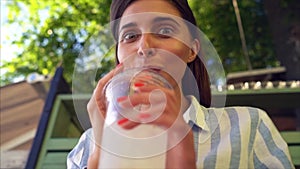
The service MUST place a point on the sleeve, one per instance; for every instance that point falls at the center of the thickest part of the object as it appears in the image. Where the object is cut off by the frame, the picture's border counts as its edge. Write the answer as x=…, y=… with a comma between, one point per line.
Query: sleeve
x=270, y=149
x=78, y=157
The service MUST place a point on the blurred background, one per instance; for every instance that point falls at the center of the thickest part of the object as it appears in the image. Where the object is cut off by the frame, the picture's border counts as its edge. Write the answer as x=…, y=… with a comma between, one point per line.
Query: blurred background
x=258, y=42
x=37, y=36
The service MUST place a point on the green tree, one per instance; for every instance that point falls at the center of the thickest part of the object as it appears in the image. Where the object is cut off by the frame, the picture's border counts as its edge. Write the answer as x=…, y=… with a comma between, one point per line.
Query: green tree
x=58, y=39
x=216, y=18
x=68, y=24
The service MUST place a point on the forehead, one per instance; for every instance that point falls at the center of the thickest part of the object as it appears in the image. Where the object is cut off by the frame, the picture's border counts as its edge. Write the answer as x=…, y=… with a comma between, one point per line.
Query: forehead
x=149, y=19
x=145, y=12
x=159, y=6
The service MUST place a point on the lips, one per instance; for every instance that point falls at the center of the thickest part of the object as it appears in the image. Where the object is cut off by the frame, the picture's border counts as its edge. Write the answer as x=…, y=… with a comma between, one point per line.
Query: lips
x=154, y=68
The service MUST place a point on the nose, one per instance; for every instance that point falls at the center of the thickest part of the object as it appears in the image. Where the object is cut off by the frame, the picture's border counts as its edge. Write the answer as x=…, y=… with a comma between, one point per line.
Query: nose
x=146, y=46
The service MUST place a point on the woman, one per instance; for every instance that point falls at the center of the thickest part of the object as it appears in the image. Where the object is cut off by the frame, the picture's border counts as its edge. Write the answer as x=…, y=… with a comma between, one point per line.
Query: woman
x=220, y=138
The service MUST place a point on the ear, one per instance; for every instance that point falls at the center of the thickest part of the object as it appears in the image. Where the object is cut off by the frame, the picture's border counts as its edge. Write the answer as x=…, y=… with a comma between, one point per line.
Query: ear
x=195, y=47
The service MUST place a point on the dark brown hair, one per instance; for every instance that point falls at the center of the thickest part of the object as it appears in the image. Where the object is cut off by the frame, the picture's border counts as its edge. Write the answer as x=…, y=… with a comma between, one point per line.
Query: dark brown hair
x=197, y=67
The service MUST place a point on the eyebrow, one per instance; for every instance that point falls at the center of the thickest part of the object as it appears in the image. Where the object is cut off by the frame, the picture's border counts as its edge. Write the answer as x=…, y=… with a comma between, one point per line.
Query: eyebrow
x=131, y=24
x=160, y=19
x=157, y=19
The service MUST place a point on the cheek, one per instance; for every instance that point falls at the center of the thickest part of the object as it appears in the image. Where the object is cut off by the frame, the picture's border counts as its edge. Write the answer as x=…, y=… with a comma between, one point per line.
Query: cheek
x=180, y=51
x=122, y=53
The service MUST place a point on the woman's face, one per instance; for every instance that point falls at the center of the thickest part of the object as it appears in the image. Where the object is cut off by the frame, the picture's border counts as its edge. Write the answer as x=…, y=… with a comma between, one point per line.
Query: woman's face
x=155, y=31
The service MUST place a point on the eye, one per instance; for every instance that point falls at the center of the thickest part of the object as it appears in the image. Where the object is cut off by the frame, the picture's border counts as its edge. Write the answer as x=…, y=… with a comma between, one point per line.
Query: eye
x=129, y=37
x=165, y=32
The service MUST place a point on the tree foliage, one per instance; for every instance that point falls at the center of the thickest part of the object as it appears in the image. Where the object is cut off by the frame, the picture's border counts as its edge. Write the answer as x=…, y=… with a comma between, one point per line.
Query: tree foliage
x=59, y=30
x=58, y=39
x=216, y=18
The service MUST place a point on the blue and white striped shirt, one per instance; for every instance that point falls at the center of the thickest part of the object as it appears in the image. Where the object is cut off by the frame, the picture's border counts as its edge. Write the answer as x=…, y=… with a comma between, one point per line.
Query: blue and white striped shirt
x=231, y=137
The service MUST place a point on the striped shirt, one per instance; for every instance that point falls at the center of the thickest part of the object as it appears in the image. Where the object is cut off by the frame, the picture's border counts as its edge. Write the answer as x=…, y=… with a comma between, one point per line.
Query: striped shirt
x=231, y=137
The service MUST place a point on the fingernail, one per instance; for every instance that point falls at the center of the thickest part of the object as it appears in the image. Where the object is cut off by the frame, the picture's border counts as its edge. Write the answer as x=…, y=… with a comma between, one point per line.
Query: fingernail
x=144, y=115
x=148, y=77
x=121, y=99
x=122, y=121
x=139, y=84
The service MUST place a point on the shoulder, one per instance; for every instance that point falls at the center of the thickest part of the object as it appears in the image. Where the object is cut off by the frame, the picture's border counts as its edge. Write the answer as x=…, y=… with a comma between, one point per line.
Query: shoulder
x=238, y=116
x=253, y=114
x=241, y=112
x=242, y=118
x=251, y=122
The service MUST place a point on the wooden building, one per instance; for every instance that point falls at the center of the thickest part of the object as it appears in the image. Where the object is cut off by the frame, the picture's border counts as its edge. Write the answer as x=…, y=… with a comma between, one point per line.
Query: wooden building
x=21, y=105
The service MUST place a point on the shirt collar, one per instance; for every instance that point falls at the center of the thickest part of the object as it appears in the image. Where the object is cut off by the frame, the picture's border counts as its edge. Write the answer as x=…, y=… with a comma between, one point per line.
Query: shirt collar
x=196, y=113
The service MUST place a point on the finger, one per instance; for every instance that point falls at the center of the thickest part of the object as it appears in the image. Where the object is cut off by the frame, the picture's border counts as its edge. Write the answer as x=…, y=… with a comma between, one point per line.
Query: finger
x=99, y=93
x=147, y=79
x=154, y=105
x=154, y=97
x=127, y=124
x=97, y=106
x=146, y=87
x=103, y=81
